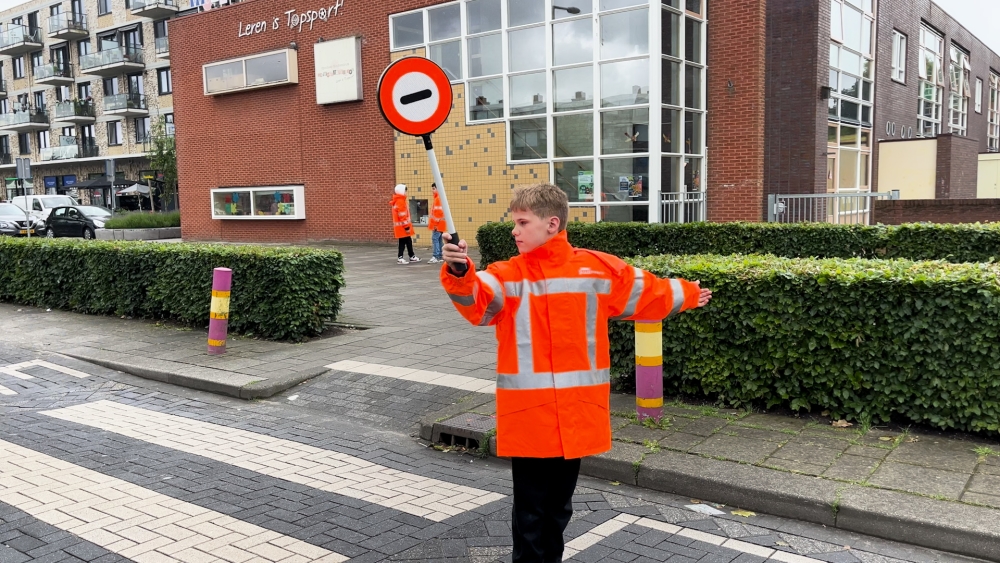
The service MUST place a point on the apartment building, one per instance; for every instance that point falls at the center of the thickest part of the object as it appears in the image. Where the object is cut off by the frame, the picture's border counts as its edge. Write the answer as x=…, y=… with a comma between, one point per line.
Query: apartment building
x=82, y=82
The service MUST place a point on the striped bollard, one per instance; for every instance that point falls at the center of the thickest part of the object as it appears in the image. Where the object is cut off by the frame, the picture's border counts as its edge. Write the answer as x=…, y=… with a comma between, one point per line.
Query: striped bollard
x=649, y=369
x=218, y=324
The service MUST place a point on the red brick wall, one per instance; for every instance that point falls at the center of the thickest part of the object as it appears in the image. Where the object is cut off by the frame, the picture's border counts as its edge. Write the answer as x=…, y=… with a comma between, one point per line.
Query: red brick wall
x=736, y=52
x=341, y=153
x=957, y=167
x=798, y=54
x=897, y=212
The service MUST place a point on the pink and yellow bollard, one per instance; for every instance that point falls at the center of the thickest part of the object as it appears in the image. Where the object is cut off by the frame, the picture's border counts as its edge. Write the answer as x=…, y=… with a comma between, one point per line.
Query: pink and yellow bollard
x=649, y=369
x=218, y=324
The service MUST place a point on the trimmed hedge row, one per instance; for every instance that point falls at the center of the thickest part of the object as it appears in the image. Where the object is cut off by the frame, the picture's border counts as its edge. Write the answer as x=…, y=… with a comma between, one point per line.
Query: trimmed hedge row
x=144, y=220
x=954, y=243
x=277, y=293
x=864, y=339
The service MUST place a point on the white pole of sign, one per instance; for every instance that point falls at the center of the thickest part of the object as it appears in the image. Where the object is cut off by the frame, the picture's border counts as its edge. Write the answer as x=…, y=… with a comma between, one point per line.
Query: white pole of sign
x=436, y=174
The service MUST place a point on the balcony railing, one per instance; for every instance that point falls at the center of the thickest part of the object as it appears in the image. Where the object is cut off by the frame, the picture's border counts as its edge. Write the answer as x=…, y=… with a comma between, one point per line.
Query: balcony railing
x=6, y=158
x=74, y=108
x=69, y=148
x=18, y=35
x=53, y=70
x=68, y=22
x=24, y=117
x=118, y=55
x=162, y=46
x=120, y=102
x=144, y=5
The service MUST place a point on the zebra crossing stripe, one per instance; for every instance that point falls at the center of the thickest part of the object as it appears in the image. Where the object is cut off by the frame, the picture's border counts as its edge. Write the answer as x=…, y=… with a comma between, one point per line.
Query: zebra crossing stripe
x=326, y=470
x=135, y=522
x=462, y=382
x=6, y=391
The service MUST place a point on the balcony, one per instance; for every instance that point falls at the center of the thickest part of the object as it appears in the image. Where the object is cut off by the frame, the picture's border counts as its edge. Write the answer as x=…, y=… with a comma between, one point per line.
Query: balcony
x=69, y=148
x=25, y=121
x=154, y=9
x=126, y=105
x=75, y=111
x=53, y=74
x=162, y=48
x=113, y=62
x=18, y=39
x=3, y=89
x=68, y=26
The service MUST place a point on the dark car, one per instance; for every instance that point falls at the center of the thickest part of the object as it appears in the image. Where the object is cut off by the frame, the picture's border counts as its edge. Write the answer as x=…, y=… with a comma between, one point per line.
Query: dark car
x=77, y=221
x=13, y=222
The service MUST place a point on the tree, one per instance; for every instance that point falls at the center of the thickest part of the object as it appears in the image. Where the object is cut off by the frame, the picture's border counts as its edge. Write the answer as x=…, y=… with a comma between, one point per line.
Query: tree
x=162, y=155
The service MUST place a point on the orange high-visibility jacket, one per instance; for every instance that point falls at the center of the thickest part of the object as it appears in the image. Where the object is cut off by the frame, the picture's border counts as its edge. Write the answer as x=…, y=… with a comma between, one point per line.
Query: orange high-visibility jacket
x=436, y=222
x=551, y=308
x=401, y=225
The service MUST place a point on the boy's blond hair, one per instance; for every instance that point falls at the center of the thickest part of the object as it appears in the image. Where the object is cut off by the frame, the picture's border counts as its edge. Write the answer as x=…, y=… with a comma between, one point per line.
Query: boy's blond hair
x=544, y=200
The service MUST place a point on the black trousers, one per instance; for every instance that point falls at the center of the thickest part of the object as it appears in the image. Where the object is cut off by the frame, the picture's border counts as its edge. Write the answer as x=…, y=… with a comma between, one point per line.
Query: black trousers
x=543, y=505
x=408, y=243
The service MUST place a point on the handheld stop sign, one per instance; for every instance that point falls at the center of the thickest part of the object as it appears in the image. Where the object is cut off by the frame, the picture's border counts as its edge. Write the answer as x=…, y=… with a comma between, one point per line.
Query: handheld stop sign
x=414, y=96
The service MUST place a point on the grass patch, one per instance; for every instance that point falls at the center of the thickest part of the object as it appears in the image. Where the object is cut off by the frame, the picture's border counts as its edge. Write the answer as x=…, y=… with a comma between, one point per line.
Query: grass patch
x=145, y=220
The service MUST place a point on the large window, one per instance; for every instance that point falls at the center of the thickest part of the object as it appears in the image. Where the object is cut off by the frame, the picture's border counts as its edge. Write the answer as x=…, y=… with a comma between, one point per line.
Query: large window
x=993, y=119
x=575, y=82
x=931, y=84
x=958, y=97
x=18, y=63
x=851, y=103
x=115, y=136
x=163, y=78
x=898, y=56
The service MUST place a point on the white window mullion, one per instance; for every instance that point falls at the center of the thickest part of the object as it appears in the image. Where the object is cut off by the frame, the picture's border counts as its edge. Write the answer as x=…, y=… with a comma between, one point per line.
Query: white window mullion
x=596, y=113
x=549, y=93
x=655, y=111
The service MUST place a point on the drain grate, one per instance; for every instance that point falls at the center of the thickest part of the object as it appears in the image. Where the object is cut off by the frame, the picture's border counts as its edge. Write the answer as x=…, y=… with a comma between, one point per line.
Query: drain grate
x=467, y=430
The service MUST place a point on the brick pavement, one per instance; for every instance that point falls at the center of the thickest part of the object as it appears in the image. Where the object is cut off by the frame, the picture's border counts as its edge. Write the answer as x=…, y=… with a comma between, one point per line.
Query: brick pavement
x=94, y=469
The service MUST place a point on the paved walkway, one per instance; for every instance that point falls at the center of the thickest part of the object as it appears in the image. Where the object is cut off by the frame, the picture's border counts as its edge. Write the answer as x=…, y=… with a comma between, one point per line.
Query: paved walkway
x=412, y=358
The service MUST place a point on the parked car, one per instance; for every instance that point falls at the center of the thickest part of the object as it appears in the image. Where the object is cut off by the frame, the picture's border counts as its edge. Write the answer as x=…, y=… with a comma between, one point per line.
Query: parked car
x=76, y=221
x=42, y=204
x=14, y=223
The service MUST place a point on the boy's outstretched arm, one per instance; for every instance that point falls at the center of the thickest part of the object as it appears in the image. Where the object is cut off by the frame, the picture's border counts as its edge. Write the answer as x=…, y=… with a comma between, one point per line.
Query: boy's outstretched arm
x=637, y=295
x=478, y=296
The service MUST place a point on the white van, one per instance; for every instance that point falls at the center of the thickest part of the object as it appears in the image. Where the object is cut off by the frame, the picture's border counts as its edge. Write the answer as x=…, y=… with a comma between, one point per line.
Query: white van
x=42, y=205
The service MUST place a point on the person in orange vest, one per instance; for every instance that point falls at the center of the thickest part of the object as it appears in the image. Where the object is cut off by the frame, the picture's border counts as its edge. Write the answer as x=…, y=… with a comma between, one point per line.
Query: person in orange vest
x=401, y=225
x=551, y=306
x=437, y=226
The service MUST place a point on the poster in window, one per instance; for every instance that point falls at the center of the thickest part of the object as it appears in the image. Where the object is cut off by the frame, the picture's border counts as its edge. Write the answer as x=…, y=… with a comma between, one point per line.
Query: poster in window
x=635, y=187
x=585, y=185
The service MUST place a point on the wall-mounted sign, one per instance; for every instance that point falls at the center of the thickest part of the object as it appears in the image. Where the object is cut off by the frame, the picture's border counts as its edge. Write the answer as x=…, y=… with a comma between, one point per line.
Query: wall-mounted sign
x=293, y=20
x=338, y=70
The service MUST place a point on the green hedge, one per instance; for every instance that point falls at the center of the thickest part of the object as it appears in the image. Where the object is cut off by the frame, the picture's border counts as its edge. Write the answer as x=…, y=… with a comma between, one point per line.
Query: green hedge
x=147, y=220
x=277, y=293
x=954, y=243
x=864, y=339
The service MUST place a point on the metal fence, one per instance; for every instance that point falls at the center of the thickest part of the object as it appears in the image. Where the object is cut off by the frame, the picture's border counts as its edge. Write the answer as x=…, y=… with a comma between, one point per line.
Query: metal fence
x=682, y=207
x=839, y=209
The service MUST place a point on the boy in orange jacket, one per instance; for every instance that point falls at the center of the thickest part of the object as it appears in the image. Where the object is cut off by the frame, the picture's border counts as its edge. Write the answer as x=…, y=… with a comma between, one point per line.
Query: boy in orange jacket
x=551, y=306
x=402, y=227
x=437, y=226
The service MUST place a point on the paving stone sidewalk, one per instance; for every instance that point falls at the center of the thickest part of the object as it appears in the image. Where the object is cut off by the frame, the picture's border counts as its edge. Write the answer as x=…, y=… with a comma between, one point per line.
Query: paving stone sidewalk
x=938, y=490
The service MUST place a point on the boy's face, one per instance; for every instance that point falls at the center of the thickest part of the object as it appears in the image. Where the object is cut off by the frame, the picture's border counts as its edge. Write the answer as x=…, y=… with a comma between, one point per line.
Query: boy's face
x=531, y=231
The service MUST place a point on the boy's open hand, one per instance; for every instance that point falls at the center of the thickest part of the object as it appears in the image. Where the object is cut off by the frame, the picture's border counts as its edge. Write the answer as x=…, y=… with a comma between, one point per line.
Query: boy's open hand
x=454, y=253
x=704, y=296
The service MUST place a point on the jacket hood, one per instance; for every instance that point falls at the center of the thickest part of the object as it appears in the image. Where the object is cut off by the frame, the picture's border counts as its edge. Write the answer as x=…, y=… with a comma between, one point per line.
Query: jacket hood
x=400, y=189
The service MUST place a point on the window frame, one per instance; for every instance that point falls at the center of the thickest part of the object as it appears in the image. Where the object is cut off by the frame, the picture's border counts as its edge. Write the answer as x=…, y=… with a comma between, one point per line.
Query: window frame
x=160, y=73
x=899, y=43
x=17, y=67
x=933, y=83
x=103, y=7
x=24, y=143
x=993, y=114
x=116, y=127
x=959, y=65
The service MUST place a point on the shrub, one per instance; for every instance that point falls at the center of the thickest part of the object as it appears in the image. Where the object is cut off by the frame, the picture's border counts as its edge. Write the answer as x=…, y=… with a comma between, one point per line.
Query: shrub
x=954, y=243
x=277, y=293
x=145, y=220
x=861, y=338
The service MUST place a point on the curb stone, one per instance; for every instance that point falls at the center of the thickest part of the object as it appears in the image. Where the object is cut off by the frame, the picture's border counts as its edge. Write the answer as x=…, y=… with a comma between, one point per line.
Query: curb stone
x=256, y=388
x=949, y=526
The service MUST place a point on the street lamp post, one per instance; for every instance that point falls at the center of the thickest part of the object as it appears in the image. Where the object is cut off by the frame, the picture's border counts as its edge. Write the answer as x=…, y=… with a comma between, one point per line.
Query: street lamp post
x=571, y=10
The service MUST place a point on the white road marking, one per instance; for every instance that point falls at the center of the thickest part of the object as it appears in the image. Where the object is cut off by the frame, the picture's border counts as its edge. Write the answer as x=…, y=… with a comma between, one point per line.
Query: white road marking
x=299, y=463
x=6, y=391
x=135, y=522
x=463, y=382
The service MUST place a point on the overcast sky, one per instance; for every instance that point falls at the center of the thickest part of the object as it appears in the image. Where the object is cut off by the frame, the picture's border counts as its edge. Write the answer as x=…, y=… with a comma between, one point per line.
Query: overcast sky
x=982, y=17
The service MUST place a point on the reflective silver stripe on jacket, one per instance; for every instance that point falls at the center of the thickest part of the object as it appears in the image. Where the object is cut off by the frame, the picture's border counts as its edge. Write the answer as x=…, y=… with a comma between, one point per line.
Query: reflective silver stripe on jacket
x=638, y=286
x=678, y=290
x=548, y=380
x=463, y=300
x=591, y=287
x=496, y=305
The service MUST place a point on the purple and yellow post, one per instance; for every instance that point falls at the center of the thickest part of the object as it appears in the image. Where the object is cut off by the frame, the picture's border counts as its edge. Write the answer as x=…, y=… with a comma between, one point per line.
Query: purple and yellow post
x=218, y=324
x=649, y=370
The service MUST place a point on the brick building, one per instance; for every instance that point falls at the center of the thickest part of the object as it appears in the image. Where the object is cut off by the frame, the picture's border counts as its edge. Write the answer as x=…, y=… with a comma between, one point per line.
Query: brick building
x=846, y=76
x=608, y=99
x=81, y=82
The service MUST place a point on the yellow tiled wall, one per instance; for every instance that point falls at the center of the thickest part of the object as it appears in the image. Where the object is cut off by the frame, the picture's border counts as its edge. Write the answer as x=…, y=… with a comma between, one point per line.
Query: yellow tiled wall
x=473, y=162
